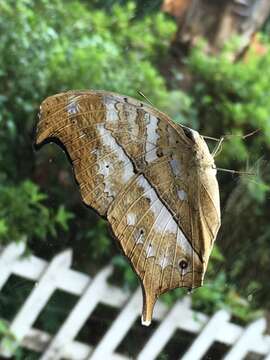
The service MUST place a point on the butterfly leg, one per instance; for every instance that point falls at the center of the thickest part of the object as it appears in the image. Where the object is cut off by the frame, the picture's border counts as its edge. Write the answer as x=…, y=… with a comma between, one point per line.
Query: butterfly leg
x=218, y=148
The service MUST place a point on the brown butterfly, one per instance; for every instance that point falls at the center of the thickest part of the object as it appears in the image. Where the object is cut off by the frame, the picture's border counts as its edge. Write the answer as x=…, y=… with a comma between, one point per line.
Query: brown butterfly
x=154, y=181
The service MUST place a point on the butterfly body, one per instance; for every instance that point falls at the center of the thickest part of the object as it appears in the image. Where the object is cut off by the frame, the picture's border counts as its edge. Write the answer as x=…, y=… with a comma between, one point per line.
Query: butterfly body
x=153, y=180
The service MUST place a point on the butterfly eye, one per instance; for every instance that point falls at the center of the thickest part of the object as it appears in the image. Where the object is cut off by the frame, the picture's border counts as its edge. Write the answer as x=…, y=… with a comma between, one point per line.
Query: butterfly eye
x=183, y=264
x=188, y=133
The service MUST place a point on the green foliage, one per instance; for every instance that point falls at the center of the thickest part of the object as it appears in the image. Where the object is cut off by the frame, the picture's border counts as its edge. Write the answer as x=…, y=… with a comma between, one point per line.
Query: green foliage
x=233, y=96
x=51, y=46
x=143, y=7
x=124, y=273
x=245, y=235
x=24, y=206
x=98, y=235
x=3, y=328
x=107, y=52
x=8, y=340
x=217, y=293
x=47, y=48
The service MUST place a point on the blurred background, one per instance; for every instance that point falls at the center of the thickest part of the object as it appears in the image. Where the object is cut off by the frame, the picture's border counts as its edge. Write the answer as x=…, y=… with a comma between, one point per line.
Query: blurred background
x=206, y=64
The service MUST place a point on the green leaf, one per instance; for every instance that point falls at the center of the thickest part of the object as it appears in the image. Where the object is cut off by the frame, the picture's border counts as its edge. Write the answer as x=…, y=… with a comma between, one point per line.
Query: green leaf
x=3, y=227
x=63, y=216
x=3, y=328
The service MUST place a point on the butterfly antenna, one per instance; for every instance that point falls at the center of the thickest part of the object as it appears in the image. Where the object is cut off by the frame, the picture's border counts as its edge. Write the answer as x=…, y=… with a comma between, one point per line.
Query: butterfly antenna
x=218, y=148
x=231, y=135
x=251, y=133
x=210, y=138
x=235, y=171
x=145, y=97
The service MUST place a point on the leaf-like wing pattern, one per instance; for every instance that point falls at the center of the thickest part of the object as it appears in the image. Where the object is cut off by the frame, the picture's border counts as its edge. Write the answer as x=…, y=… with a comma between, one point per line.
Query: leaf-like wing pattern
x=152, y=179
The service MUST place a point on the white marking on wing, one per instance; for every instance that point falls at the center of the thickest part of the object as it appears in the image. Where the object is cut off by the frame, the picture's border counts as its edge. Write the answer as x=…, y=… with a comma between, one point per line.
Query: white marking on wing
x=150, y=251
x=111, y=113
x=95, y=152
x=176, y=166
x=165, y=261
x=183, y=243
x=82, y=135
x=182, y=195
x=131, y=219
x=166, y=221
x=151, y=137
x=72, y=107
x=139, y=237
x=106, y=168
x=158, y=207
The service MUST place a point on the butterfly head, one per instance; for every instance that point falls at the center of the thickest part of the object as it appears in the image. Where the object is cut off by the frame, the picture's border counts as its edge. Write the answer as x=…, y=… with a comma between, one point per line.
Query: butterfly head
x=202, y=155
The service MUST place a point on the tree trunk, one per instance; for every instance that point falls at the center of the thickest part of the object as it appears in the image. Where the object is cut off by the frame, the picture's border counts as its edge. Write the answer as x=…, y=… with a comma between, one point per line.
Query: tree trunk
x=216, y=21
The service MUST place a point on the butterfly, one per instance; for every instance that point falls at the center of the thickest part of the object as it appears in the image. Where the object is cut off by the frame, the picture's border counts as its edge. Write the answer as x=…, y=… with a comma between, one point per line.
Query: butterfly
x=152, y=179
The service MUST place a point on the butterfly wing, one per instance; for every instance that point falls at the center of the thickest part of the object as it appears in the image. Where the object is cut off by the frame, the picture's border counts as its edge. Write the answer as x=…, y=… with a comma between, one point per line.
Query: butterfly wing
x=136, y=167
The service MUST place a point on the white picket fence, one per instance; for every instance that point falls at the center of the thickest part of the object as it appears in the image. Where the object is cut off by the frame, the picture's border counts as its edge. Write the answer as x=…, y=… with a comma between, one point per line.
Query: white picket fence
x=49, y=277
